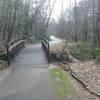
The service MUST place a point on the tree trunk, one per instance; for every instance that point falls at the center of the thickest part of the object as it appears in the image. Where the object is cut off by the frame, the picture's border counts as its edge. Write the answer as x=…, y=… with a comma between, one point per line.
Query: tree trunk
x=98, y=33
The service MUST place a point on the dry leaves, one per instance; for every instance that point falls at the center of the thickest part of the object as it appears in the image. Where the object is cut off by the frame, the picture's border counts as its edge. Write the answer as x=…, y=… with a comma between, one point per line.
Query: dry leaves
x=89, y=73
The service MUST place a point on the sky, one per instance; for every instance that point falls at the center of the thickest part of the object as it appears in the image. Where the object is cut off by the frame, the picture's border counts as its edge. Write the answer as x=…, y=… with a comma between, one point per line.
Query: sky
x=58, y=7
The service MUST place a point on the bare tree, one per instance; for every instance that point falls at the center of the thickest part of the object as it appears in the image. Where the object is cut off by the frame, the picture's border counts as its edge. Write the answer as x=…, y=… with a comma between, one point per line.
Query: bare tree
x=22, y=18
x=98, y=14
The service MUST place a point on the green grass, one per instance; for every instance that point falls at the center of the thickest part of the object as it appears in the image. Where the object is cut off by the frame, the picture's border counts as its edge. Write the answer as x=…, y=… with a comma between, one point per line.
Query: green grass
x=63, y=86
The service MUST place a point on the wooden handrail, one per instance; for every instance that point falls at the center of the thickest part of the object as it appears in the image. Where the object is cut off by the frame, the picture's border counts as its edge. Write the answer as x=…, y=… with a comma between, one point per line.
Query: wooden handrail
x=12, y=48
x=13, y=42
x=17, y=43
x=45, y=46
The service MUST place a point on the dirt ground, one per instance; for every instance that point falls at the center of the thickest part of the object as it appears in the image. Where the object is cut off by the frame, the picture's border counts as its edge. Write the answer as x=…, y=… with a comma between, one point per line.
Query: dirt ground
x=84, y=94
x=79, y=88
x=89, y=74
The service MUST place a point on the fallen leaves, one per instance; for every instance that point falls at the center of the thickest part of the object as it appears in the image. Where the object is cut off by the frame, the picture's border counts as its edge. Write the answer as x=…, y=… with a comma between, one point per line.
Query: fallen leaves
x=89, y=73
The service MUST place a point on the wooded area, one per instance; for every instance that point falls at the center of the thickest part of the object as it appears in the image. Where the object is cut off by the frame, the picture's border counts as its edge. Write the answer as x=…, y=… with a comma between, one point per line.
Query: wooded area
x=71, y=41
x=23, y=19
x=80, y=22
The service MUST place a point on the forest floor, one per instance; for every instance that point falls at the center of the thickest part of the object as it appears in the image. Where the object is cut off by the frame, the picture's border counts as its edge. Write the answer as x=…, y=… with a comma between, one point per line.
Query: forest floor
x=84, y=94
x=85, y=76
x=89, y=74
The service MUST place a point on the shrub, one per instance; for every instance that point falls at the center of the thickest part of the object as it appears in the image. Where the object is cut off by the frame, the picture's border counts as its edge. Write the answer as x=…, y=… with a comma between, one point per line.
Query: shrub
x=83, y=51
x=97, y=56
x=32, y=39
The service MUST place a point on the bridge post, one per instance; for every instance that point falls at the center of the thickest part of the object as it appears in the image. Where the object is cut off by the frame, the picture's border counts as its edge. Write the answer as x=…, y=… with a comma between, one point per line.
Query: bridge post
x=8, y=56
x=46, y=47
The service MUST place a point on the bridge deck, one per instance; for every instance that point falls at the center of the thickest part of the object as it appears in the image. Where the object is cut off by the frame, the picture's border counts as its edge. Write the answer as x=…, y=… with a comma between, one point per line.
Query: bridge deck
x=30, y=78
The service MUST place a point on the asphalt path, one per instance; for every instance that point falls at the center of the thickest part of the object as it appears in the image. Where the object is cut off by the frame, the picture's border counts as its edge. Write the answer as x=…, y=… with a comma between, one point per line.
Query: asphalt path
x=30, y=79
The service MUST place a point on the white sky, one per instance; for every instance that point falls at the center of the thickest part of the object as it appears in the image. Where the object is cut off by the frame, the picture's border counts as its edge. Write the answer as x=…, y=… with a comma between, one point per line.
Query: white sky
x=58, y=7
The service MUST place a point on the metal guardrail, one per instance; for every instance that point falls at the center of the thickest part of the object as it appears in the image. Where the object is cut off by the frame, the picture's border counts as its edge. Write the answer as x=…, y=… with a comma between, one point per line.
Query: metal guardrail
x=12, y=48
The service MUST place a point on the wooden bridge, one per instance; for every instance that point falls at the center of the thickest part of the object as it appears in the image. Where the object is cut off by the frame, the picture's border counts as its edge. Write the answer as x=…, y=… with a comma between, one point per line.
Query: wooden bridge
x=15, y=46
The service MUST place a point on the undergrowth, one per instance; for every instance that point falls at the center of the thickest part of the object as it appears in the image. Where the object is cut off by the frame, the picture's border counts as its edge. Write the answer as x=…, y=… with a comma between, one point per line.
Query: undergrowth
x=84, y=51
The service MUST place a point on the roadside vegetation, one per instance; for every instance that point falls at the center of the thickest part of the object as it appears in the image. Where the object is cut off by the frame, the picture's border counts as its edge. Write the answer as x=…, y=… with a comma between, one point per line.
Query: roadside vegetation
x=63, y=86
x=79, y=26
x=85, y=51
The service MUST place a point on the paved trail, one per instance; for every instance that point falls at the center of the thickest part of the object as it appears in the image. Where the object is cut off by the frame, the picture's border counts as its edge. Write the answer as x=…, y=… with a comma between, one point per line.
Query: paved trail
x=30, y=79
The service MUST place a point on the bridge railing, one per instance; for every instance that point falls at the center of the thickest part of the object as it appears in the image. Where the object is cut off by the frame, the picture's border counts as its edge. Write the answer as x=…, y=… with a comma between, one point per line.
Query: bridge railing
x=12, y=48
x=45, y=45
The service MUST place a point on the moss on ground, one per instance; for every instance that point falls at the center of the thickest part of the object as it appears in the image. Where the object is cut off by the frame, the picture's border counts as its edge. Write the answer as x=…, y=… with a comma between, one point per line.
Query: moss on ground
x=63, y=86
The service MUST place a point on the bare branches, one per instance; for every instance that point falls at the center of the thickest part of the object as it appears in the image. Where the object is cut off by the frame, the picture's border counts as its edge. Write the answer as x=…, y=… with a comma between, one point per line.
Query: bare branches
x=51, y=10
x=19, y=18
